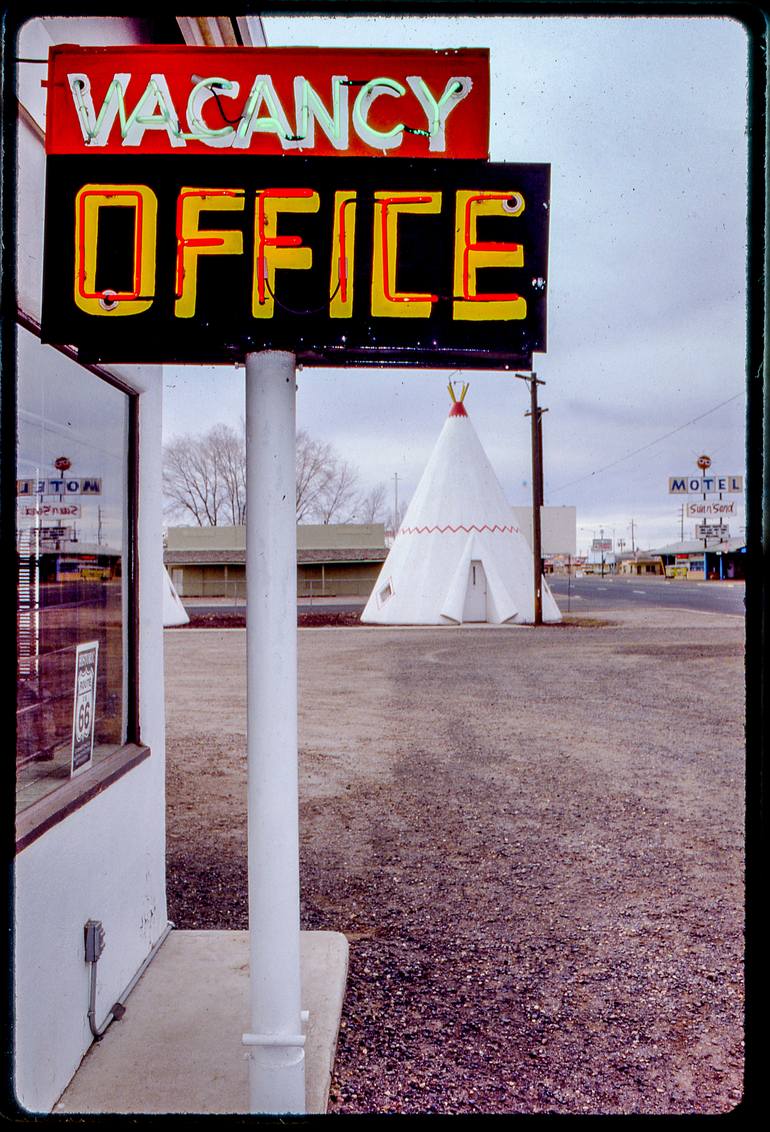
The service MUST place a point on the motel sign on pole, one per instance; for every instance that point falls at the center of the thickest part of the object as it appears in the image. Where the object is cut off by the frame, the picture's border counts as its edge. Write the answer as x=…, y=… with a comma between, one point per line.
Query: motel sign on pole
x=208, y=205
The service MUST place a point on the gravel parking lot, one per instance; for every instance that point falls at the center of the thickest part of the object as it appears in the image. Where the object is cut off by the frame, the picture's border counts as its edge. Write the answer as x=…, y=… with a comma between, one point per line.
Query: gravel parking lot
x=532, y=838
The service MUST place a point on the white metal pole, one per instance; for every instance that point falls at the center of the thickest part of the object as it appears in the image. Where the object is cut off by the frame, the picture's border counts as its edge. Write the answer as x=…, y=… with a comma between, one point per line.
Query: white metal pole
x=275, y=1043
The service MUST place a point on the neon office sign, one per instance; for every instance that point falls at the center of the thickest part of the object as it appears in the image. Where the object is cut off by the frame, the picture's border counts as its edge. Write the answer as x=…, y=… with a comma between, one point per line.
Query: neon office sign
x=405, y=261
x=328, y=102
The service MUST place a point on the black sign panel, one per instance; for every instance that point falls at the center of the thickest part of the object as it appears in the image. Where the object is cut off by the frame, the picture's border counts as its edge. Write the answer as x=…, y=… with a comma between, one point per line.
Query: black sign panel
x=391, y=262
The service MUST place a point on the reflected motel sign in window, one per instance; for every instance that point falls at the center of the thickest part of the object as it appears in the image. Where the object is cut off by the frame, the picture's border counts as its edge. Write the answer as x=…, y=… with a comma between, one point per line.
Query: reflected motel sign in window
x=197, y=209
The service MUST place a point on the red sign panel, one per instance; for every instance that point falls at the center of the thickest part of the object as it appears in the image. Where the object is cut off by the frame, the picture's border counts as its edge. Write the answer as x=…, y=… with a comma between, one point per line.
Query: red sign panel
x=272, y=100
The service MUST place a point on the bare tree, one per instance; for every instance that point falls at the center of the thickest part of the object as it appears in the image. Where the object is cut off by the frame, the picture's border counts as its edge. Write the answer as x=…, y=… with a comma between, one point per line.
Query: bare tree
x=189, y=482
x=204, y=479
x=204, y=476
x=228, y=449
x=313, y=460
x=370, y=506
x=336, y=501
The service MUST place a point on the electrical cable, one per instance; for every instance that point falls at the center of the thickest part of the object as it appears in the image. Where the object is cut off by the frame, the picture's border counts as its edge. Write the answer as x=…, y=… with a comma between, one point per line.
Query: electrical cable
x=644, y=447
x=291, y=310
x=229, y=121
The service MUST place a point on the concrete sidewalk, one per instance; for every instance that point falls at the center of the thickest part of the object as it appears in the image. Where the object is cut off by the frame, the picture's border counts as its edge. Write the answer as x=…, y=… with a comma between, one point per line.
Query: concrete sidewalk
x=178, y=1048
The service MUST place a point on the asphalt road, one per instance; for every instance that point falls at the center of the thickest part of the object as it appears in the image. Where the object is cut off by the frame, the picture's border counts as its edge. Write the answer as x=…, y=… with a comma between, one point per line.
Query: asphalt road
x=593, y=594
x=589, y=594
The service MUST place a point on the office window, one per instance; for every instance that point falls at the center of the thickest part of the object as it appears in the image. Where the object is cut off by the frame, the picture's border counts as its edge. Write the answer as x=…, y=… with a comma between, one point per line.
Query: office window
x=73, y=543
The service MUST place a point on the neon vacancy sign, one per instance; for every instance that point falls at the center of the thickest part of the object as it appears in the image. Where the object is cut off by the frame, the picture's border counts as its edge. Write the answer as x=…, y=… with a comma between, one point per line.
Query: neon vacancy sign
x=268, y=100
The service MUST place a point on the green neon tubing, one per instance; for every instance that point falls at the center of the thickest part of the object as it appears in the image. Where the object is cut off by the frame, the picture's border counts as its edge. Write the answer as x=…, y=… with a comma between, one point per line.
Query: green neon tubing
x=389, y=86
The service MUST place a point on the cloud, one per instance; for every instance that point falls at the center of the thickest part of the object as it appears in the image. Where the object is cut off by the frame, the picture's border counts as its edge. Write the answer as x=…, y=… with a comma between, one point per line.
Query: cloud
x=644, y=124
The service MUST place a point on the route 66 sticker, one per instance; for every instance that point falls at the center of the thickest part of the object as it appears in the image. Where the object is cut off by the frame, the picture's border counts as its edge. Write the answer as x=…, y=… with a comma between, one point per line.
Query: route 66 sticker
x=84, y=708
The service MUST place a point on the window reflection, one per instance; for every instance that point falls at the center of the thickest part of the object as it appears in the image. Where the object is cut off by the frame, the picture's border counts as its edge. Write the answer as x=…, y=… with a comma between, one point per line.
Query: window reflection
x=71, y=541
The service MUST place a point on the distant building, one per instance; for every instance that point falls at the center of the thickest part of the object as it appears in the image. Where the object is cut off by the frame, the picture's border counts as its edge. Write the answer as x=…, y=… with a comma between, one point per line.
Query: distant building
x=638, y=563
x=719, y=561
x=563, y=563
x=333, y=560
x=600, y=562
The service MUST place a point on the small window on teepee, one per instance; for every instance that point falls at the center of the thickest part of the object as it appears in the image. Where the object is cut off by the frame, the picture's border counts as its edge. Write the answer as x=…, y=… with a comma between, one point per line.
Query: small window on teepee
x=385, y=592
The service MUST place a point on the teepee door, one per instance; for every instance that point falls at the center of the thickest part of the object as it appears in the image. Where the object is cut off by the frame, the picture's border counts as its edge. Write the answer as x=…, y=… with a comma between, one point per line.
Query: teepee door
x=476, y=594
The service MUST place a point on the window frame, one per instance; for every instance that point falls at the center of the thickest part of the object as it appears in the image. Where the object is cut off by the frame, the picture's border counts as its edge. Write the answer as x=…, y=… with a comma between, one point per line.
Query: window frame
x=36, y=819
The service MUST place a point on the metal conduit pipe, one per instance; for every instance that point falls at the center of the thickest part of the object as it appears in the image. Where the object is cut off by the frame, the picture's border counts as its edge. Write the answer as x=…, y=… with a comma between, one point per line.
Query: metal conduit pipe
x=217, y=31
x=118, y=1009
x=202, y=23
x=226, y=30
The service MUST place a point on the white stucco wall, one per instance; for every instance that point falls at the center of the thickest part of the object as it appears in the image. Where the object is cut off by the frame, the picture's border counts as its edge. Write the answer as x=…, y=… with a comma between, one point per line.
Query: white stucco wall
x=105, y=861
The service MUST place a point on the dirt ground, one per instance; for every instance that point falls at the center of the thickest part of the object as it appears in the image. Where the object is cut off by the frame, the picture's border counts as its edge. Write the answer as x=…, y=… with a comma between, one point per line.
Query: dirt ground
x=532, y=839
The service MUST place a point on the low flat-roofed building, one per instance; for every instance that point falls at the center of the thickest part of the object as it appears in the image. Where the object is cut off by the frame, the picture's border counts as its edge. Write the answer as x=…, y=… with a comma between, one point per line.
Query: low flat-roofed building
x=718, y=561
x=638, y=563
x=333, y=559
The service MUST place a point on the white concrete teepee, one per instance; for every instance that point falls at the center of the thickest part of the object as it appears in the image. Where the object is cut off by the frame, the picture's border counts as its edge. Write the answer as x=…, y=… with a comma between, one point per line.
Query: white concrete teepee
x=174, y=613
x=458, y=555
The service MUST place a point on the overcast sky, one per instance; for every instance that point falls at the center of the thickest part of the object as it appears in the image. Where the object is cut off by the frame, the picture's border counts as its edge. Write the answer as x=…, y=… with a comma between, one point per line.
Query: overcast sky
x=644, y=124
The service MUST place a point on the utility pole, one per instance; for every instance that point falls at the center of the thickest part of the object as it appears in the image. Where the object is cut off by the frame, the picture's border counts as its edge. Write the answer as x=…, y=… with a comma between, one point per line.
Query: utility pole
x=633, y=544
x=535, y=413
x=396, y=523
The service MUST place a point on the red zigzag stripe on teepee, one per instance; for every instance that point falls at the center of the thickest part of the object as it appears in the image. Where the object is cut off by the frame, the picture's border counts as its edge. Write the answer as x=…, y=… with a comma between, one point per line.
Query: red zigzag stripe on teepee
x=454, y=530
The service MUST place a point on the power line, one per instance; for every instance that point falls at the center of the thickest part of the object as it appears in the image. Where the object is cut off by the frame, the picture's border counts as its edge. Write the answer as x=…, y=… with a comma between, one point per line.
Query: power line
x=644, y=447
